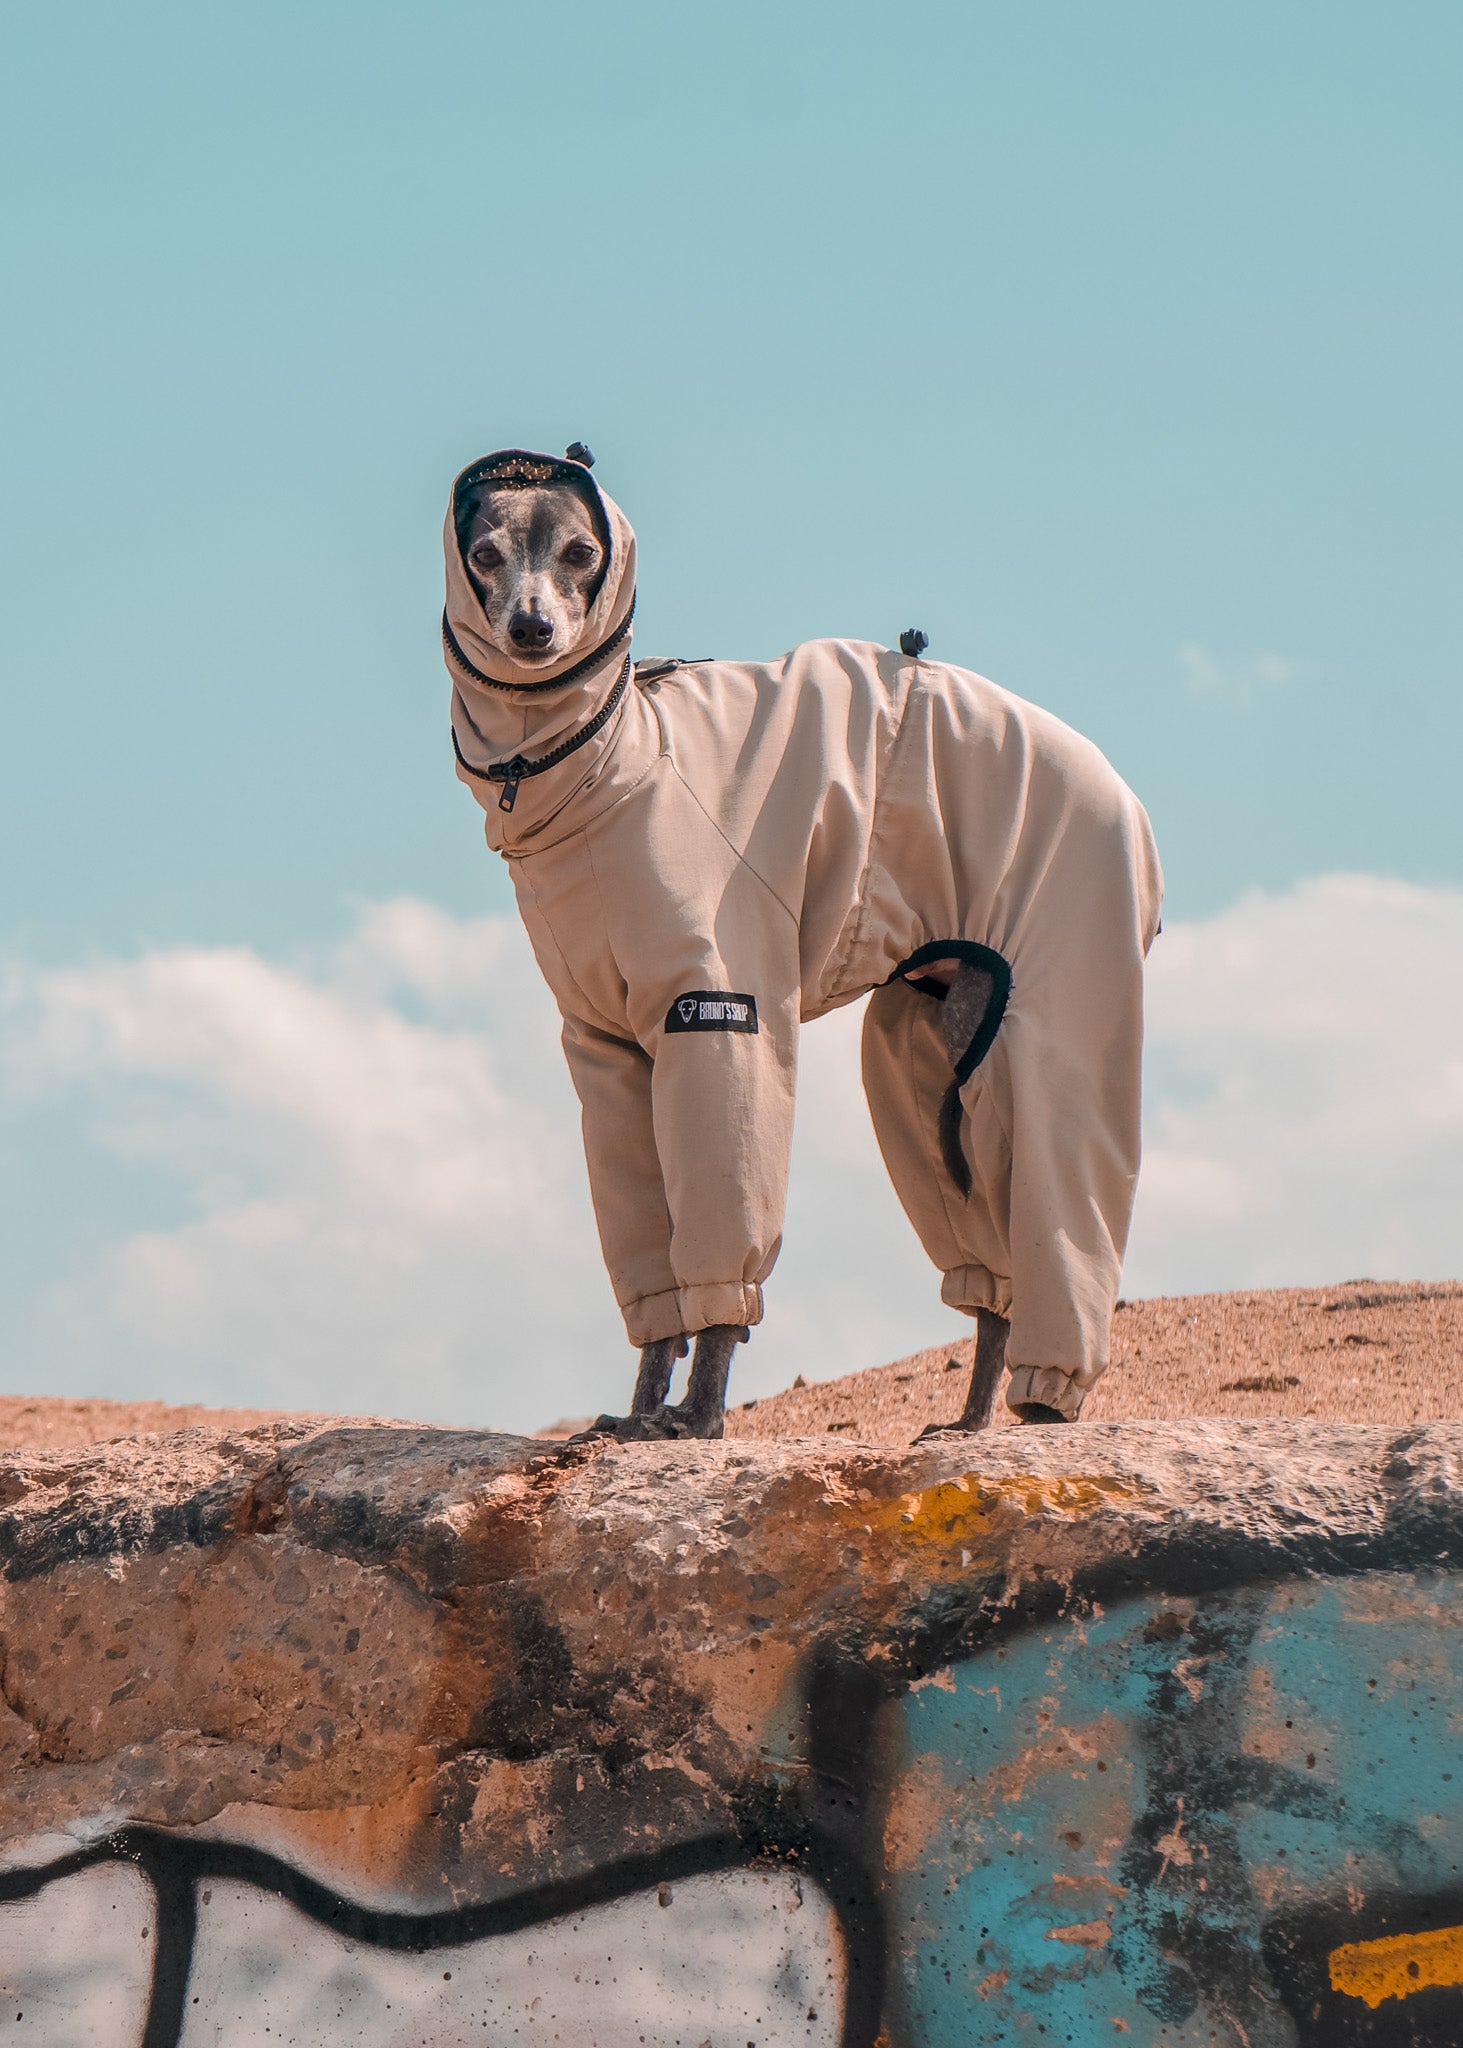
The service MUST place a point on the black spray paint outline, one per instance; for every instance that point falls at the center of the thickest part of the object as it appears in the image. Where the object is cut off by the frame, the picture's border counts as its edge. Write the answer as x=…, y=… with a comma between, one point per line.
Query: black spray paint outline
x=1294, y=1946
x=850, y=1680
x=176, y=1865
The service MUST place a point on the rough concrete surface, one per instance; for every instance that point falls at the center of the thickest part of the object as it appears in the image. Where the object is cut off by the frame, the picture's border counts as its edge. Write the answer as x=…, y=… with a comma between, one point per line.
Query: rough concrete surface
x=418, y=1735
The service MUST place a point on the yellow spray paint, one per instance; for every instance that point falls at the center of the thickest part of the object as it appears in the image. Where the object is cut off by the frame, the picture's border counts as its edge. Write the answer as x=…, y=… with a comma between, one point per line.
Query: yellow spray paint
x=1398, y=1964
x=970, y=1509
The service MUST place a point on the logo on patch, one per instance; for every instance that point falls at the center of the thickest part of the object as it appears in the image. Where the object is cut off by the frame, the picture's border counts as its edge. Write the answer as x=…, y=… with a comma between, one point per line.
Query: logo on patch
x=710, y=1009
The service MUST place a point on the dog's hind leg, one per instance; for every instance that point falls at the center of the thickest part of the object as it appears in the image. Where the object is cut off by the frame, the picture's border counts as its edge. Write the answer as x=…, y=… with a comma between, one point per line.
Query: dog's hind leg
x=991, y=1332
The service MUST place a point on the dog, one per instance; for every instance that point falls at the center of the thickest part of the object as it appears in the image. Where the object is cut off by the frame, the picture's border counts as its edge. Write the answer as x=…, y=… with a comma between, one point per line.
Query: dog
x=705, y=853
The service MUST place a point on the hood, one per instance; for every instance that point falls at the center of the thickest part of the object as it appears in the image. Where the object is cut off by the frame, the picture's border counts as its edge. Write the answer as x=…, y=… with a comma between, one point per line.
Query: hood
x=501, y=709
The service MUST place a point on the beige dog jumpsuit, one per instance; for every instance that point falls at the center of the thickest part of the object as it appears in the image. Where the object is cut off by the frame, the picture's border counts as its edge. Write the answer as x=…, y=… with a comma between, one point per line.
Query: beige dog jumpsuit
x=737, y=846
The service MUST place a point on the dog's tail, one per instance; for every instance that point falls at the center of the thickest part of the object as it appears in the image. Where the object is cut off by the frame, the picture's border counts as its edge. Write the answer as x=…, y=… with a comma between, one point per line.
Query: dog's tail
x=952, y=1139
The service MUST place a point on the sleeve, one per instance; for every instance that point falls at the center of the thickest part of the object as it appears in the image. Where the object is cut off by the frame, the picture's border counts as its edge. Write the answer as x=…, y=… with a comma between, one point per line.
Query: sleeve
x=612, y=1078
x=723, y=1039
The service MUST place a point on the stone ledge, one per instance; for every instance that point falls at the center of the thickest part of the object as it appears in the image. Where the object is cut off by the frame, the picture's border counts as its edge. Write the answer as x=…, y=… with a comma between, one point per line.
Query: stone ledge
x=434, y=1672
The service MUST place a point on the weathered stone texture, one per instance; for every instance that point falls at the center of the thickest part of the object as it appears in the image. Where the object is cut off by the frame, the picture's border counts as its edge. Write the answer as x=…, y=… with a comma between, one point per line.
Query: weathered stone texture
x=437, y=1673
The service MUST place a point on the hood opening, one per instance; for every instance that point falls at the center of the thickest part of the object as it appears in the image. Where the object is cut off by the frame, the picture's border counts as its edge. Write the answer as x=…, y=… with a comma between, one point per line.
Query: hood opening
x=509, y=720
x=519, y=469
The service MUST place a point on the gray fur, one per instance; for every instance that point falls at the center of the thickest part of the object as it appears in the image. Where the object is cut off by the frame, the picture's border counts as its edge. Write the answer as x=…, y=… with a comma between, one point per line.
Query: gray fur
x=991, y=1332
x=961, y=1015
x=963, y=1011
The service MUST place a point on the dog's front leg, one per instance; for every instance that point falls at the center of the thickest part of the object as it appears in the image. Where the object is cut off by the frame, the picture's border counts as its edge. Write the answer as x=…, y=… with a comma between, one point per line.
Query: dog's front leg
x=653, y=1381
x=703, y=1412
x=649, y=1418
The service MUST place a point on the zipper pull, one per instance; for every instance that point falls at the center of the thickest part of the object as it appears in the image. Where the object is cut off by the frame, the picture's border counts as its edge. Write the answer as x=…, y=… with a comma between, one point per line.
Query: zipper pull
x=512, y=776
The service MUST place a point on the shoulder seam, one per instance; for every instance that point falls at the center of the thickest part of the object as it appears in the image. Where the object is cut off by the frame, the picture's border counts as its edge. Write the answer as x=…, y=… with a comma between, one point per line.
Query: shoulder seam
x=731, y=845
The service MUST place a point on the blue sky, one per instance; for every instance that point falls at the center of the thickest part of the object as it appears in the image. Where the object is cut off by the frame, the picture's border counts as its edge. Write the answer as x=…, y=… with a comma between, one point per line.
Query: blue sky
x=1080, y=336
x=1116, y=347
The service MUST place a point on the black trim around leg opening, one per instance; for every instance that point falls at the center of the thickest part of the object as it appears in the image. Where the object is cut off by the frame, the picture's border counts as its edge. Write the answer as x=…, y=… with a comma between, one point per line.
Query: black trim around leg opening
x=971, y=954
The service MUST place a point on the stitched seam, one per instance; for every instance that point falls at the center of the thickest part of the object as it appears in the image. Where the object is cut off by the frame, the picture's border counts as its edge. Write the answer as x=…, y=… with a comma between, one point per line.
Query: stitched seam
x=854, y=927
x=731, y=845
x=569, y=974
x=607, y=929
x=659, y=1294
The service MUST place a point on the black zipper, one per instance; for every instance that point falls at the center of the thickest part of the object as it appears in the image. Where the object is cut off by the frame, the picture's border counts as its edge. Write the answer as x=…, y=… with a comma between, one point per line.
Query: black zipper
x=570, y=675
x=520, y=768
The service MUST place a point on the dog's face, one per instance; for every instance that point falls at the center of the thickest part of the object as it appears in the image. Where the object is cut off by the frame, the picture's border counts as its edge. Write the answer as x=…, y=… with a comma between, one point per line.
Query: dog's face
x=534, y=559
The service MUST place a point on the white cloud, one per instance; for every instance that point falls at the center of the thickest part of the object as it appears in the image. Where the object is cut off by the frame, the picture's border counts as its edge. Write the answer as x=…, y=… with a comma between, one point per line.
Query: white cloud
x=1305, y=1090
x=378, y=1151
x=375, y=1197
x=1236, y=679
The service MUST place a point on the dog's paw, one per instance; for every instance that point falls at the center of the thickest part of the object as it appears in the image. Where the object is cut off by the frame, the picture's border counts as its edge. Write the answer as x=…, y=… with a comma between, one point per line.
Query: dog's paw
x=957, y=1428
x=662, y=1425
x=602, y=1425
x=704, y=1428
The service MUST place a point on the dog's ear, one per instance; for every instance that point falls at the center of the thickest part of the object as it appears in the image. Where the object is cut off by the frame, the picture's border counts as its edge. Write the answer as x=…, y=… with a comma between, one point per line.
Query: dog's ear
x=466, y=510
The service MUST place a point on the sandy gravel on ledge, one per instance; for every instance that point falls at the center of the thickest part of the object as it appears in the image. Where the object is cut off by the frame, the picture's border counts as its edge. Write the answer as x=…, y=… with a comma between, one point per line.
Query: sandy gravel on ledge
x=43, y=1422
x=1365, y=1351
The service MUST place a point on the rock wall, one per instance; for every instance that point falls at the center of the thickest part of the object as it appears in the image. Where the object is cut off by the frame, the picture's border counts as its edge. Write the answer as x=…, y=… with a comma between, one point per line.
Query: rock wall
x=389, y=1737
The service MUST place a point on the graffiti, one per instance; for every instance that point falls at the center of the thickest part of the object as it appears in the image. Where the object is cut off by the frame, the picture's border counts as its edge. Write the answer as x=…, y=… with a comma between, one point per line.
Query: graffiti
x=1390, y=1989
x=149, y=1940
x=1234, y=1818
x=1216, y=1818
x=1178, y=1793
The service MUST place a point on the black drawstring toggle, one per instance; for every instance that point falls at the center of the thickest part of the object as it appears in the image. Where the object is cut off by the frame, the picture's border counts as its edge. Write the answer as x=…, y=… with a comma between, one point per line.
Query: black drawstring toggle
x=511, y=773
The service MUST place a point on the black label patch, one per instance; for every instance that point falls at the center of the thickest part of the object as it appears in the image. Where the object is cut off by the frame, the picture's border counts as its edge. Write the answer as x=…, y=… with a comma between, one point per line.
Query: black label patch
x=708, y=1009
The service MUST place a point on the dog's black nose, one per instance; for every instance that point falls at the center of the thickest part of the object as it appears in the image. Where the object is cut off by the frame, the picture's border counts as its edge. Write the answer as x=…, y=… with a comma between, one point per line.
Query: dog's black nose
x=531, y=631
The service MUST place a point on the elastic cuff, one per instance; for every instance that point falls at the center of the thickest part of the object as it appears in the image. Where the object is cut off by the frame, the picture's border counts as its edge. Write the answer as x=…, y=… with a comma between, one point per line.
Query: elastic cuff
x=682, y=1311
x=968, y=1288
x=1049, y=1385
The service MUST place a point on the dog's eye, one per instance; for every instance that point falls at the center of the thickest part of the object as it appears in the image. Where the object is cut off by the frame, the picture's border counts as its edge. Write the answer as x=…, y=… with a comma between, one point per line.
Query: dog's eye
x=486, y=556
x=580, y=553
